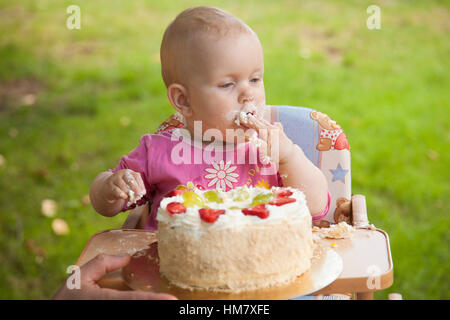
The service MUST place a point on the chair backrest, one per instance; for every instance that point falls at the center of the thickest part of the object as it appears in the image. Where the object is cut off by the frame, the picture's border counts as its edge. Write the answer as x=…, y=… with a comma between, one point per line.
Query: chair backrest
x=323, y=142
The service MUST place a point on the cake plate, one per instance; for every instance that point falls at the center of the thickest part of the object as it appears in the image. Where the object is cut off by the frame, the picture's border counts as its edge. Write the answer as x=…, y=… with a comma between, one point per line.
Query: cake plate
x=142, y=273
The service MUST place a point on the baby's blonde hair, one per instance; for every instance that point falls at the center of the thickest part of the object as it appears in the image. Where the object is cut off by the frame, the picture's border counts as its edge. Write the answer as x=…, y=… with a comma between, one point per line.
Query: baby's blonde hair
x=191, y=25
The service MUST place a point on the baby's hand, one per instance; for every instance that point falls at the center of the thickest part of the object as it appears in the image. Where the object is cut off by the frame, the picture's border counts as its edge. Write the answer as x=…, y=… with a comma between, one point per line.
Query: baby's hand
x=271, y=136
x=124, y=184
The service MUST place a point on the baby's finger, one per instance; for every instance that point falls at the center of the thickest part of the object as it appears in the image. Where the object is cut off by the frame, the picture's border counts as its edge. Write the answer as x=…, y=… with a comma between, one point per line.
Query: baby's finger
x=121, y=184
x=140, y=183
x=255, y=123
x=273, y=148
x=130, y=179
x=125, y=188
x=263, y=136
x=269, y=141
x=266, y=123
x=117, y=193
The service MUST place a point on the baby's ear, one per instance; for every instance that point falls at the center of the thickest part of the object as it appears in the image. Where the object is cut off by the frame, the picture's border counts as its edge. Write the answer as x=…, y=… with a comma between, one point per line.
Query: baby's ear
x=177, y=95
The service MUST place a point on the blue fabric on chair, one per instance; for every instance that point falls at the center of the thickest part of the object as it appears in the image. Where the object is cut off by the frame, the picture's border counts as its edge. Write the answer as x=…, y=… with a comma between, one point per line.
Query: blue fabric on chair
x=300, y=128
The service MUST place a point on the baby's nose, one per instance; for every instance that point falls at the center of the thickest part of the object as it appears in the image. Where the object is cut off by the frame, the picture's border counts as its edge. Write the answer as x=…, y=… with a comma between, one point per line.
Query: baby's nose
x=246, y=99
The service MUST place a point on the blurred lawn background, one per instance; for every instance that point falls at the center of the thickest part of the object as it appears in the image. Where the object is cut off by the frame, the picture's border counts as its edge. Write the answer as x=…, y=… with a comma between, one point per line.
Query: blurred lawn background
x=72, y=102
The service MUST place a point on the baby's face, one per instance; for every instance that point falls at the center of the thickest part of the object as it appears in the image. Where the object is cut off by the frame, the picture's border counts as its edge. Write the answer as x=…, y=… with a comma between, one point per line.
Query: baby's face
x=227, y=79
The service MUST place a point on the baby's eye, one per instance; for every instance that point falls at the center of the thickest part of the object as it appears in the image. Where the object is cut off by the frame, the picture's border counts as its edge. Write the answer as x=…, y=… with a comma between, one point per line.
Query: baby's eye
x=226, y=85
x=254, y=80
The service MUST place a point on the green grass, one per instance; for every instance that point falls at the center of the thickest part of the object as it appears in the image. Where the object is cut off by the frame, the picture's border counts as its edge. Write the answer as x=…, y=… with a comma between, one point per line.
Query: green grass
x=388, y=88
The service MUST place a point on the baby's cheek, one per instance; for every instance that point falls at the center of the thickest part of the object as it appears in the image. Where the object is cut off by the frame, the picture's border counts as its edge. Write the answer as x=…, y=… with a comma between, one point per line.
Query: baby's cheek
x=229, y=116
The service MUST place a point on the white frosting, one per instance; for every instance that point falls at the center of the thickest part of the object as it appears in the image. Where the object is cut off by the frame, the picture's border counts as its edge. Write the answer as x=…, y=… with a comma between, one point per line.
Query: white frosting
x=233, y=218
x=133, y=198
x=249, y=110
x=242, y=117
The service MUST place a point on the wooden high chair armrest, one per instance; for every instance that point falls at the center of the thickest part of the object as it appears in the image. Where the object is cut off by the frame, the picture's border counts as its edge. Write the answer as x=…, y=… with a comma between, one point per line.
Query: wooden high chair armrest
x=359, y=211
x=136, y=218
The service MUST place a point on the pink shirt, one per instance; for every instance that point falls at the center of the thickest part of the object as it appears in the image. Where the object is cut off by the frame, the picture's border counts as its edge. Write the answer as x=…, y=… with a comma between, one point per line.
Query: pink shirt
x=171, y=159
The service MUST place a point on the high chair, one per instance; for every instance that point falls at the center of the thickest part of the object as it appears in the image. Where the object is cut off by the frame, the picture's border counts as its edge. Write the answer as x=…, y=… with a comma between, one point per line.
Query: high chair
x=367, y=259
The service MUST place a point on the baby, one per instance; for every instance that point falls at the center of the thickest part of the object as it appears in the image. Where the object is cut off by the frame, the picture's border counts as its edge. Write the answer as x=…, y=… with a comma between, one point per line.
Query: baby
x=212, y=65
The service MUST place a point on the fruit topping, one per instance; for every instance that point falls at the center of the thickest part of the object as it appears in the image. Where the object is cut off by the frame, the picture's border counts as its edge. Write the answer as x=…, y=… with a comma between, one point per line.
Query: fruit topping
x=174, y=193
x=281, y=201
x=210, y=215
x=191, y=199
x=242, y=195
x=283, y=193
x=175, y=208
x=213, y=196
x=262, y=199
x=258, y=210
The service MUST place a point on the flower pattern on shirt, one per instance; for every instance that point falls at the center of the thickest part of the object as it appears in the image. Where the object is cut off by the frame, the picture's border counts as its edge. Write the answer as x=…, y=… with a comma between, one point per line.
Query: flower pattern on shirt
x=221, y=175
x=263, y=184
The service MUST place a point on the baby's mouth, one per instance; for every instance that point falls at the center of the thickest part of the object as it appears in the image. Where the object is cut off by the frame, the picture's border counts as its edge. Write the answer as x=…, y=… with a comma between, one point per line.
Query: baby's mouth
x=247, y=112
x=243, y=117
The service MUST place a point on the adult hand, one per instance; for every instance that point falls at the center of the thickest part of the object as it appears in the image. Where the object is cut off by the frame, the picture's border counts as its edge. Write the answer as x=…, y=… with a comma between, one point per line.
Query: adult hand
x=93, y=271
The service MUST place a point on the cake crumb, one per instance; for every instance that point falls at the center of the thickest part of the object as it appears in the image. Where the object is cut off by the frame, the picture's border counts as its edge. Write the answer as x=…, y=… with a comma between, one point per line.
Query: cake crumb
x=341, y=230
x=315, y=236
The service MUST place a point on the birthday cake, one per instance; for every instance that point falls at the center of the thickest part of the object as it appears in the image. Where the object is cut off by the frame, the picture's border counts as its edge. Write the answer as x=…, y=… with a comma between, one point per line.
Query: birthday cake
x=243, y=239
